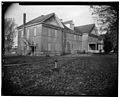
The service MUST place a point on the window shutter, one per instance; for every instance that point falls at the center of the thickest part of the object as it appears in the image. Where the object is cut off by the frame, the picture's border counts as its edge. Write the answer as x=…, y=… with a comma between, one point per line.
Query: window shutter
x=21, y=33
x=28, y=34
x=34, y=31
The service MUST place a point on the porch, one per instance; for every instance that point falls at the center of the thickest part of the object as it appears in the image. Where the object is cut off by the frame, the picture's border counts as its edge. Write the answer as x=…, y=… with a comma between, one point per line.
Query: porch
x=95, y=47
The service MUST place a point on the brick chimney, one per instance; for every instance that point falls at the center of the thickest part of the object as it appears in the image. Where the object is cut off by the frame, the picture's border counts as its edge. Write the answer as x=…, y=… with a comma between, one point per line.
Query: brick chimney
x=24, y=22
x=69, y=24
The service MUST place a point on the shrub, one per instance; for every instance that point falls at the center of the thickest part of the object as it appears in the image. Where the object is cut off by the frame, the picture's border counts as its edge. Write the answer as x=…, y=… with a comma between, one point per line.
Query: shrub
x=107, y=46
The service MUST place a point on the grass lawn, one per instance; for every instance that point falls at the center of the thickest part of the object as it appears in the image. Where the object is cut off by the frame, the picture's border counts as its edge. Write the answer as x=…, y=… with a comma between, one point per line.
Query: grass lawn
x=77, y=75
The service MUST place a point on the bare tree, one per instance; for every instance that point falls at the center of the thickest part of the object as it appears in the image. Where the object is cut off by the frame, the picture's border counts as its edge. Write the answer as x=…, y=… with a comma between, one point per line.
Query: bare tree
x=9, y=33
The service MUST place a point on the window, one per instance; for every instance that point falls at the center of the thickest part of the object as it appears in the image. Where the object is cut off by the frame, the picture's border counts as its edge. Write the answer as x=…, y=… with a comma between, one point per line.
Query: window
x=53, y=33
x=56, y=33
x=74, y=37
x=22, y=45
x=21, y=33
x=77, y=37
x=92, y=47
x=68, y=36
x=28, y=34
x=49, y=32
x=56, y=47
x=44, y=31
x=49, y=39
x=34, y=31
x=39, y=28
x=49, y=46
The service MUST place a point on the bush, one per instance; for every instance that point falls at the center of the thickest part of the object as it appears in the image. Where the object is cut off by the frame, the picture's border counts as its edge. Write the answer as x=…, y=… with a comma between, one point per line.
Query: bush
x=107, y=46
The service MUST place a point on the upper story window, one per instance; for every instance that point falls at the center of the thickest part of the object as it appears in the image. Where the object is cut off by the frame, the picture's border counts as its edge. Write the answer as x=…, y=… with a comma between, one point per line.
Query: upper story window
x=35, y=31
x=56, y=32
x=77, y=37
x=71, y=36
x=74, y=37
x=49, y=32
x=53, y=32
x=49, y=46
x=27, y=33
x=22, y=33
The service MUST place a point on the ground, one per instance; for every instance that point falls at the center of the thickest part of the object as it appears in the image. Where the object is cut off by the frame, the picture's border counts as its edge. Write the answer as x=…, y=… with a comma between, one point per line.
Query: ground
x=88, y=74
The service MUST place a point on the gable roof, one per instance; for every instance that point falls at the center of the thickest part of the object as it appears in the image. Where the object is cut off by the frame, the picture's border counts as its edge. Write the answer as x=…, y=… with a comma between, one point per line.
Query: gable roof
x=69, y=30
x=85, y=28
x=39, y=19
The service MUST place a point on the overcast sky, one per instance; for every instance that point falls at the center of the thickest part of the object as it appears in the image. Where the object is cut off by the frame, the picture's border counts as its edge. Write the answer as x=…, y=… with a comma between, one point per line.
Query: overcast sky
x=78, y=13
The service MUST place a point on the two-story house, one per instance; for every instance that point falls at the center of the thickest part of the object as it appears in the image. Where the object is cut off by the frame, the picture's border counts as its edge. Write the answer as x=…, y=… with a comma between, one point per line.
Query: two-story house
x=47, y=34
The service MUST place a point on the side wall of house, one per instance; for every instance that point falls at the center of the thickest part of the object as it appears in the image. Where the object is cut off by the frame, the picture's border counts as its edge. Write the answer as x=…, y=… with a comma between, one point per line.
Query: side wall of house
x=73, y=43
x=51, y=40
x=85, y=42
x=33, y=35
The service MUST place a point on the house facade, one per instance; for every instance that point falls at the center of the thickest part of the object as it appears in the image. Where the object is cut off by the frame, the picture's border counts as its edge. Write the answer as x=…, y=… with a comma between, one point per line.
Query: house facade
x=47, y=35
